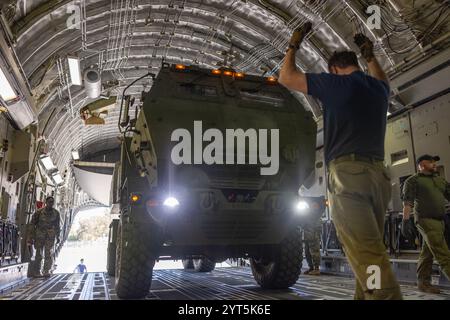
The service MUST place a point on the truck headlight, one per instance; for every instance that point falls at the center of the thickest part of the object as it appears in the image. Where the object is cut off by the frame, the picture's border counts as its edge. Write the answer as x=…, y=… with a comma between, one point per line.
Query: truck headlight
x=171, y=202
x=302, y=207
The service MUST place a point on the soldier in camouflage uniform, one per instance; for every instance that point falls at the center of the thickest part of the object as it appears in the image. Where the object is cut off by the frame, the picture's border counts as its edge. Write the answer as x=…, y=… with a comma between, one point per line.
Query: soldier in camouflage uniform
x=424, y=195
x=311, y=237
x=46, y=228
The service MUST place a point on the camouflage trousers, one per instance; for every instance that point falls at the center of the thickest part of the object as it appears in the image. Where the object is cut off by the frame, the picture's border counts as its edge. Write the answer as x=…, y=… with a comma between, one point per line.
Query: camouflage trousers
x=44, y=245
x=359, y=193
x=311, y=238
x=434, y=246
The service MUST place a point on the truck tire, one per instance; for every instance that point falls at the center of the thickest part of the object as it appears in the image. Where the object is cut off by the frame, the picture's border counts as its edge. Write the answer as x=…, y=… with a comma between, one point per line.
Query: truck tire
x=204, y=265
x=111, y=260
x=283, y=269
x=112, y=245
x=136, y=254
x=188, y=264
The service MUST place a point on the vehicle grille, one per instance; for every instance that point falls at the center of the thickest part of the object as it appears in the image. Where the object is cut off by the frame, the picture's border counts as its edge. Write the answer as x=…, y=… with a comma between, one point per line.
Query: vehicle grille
x=234, y=229
x=236, y=183
x=235, y=177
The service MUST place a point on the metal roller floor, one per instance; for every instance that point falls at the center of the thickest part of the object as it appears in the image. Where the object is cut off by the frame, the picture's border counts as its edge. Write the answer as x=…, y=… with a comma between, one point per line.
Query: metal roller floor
x=234, y=283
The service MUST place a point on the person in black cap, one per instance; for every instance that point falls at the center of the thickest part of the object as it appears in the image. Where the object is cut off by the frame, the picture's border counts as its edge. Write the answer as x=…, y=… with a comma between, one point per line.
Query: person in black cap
x=427, y=192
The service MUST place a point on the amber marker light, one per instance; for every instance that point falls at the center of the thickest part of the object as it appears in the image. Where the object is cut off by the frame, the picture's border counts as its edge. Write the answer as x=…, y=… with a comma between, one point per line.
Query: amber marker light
x=239, y=75
x=272, y=79
x=135, y=198
x=180, y=67
x=228, y=73
x=216, y=71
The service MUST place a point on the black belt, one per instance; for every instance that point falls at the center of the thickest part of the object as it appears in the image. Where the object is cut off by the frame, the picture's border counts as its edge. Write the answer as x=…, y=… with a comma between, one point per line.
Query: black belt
x=357, y=157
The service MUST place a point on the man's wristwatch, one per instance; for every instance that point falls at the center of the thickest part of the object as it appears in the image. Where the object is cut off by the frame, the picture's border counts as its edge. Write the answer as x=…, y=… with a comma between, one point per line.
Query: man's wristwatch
x=291, y=46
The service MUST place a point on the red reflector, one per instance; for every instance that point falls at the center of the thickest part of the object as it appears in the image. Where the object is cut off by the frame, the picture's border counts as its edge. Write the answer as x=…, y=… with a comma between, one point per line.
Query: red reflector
x=152, y=203
x=315, y=206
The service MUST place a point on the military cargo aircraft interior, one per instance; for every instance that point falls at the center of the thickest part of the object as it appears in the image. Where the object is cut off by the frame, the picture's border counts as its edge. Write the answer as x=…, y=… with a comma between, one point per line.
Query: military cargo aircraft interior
x=224, y=150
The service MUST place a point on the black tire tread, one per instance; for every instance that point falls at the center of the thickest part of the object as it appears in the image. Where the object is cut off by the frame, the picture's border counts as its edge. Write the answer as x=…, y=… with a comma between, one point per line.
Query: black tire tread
x=188, y=264
x=286, y=268
x=204, y=265
x=137, y=262
x=111, y=253
x=111, y=260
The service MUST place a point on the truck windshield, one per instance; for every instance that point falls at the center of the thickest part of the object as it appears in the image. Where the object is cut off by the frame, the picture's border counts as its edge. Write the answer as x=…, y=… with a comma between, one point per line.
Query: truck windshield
x=198, y=90
x=274, y=99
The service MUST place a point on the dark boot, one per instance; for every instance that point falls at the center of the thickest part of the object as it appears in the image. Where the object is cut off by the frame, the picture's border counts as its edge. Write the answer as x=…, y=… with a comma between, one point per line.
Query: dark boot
x=315, y=272
x=37, y=275
x=308, y=271
x=428, y=288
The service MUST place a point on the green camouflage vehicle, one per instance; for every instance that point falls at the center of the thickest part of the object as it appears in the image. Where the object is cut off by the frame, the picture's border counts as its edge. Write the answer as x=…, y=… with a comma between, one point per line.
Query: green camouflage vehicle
x=204, y=212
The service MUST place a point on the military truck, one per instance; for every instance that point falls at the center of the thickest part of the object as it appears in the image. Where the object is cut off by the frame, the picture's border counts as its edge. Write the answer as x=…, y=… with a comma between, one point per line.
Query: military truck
x=204, y=211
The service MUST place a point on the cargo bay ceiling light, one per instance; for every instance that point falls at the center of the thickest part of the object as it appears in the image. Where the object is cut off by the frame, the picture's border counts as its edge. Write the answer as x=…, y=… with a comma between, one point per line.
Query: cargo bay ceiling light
x=74, y=69
x=48, y=163
x=6, y=90
x=57, y=178
x=15, y=96
x=75, y=155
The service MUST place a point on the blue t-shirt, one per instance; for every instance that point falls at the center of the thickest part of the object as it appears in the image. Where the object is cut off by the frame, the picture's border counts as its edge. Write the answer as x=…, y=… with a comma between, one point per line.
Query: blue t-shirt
x=355, y=110
x=81, y=268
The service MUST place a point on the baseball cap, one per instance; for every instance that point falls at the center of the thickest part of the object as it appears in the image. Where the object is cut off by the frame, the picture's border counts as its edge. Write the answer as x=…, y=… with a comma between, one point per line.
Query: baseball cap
x=427, y=157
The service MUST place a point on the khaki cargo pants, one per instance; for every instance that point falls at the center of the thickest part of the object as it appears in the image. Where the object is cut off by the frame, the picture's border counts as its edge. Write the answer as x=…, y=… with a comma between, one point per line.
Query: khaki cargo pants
x=433, y=245
x=359, y=193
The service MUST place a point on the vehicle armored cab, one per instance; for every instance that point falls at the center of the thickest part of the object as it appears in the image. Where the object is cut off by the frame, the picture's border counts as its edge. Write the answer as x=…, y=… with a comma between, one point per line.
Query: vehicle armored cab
x=210, y=169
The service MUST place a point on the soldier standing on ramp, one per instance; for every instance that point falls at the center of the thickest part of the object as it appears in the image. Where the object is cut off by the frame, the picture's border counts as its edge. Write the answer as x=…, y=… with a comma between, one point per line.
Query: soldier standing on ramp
x=426, y=192
x=46, y=228
x=312, y=231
